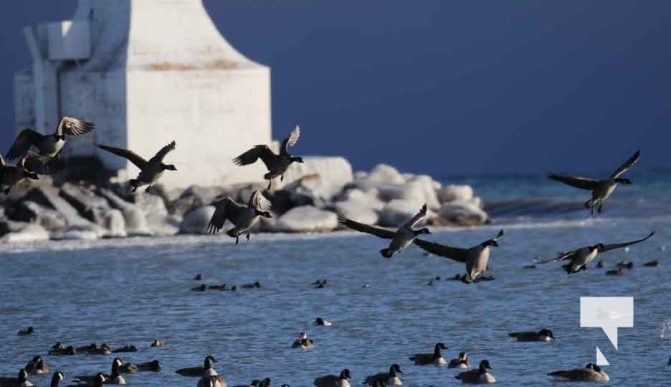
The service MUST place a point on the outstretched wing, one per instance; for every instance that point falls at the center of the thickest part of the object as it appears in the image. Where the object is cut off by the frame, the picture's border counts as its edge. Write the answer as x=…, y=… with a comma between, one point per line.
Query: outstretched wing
x=258, y=201
x=73, y=126
x=224, y=209
x=561, y=257
x=575, y=181
x=367, y=228
x=161, y=153
x=42, y=165
x=417, y=218
x=627, y=165
x=290, y=141
x=127, y=154
x=454, y=253
x=614, y=246
x=23, y=142
x=262, y=152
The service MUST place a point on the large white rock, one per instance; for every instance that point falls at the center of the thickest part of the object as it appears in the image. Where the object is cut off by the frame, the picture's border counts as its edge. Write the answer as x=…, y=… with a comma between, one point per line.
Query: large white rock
x=463, y=213
x=159, y=221
x=397, y=212
x=384, y=173
x=196, y=221
x=306, y=219
x=324, y=176
x=369, y=198
x=134, y=217
x=30, y=233
x=427, y=186
x=115, y=224
x=454, y=192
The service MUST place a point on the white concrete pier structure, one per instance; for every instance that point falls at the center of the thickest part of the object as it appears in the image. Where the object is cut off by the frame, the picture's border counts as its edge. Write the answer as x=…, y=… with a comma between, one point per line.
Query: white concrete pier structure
x=148, y=72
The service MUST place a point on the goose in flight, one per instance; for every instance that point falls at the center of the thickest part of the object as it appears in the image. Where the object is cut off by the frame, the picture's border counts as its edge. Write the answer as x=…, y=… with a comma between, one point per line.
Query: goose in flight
x=601, y=189
x=11, y=175
x=277, y=164
x=581, y=257
x=243, y=217
x=476, y=258
x=48, y=144
x=400, y=239
x=150, y=170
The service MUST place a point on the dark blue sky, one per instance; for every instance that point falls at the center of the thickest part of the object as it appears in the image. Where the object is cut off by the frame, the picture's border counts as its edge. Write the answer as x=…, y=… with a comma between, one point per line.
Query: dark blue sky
x=444, y=87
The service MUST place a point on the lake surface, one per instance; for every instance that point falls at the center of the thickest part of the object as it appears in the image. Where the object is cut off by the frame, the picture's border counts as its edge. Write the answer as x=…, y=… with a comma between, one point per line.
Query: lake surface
x=131, y=291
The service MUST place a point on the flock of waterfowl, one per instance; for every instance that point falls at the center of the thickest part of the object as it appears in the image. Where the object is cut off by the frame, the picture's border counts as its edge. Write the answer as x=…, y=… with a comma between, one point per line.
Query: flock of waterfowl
x=38, y=154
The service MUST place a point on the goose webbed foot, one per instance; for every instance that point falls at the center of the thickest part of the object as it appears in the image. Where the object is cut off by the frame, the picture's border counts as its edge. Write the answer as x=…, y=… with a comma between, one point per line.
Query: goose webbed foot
x=248, y=236
x=237, y=239
x=600, y=205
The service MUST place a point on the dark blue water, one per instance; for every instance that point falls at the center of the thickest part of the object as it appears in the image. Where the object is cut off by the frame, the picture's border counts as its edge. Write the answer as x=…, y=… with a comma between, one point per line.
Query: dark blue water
x=132, y=291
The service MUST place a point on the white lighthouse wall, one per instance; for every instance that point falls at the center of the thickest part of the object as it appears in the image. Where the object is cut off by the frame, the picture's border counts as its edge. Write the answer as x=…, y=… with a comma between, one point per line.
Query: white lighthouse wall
x=212, y=115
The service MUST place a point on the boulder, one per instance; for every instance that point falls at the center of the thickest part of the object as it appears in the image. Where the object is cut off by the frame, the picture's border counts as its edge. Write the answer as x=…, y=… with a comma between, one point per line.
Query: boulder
x=427, y=187
x=307, y=219
x=386, y=174
x=369, y=198
x=192, y=198
x=25, y=233
x=196, y=221
x=115, y=224
x=29, y=211
x=463, y=213
x=453, y=193
x=156, y=213
x=323, y=177
x=134, y=218
x=89, y=206
x=49, y=197
x=397, y=212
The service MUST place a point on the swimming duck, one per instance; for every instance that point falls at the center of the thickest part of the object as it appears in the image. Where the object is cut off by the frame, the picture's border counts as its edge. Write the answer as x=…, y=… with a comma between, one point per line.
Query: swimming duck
x=20, y=381
x=618, y=271
x=479, y=376
x=461, y=362
x=156, y=343
x=198, y=371
x=104, y=349
x=476, y=258
x=199, y=288
x=151, y=170
x=125, y=348
x=341, y=380
x=211, y=378
x=653, y=263
x=303, y=341
x=57, y=378
x=601, y=189
x=277, y=164
x=59, y=349
x=542, y=335
x=255, y=285
x=242, y=217
x=390, y=378
x=591, y=373
x=257, y=383
x=48, y=144
x=87, y=348
x=435, y=358
x=629, y=265
x=400, y=239
x=99, y=380
x=580, y=258
x=26, y=332
x=153, y=366
x=321, y=322
x=11, y=175
x=36, y=366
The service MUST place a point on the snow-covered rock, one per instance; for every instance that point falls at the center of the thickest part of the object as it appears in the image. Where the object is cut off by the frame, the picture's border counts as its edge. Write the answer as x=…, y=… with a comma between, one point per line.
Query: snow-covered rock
x=28, y=232
x=323, y=176
x=384, y=173
x=115, y=224
x=397, y=212
x=306, y=219
x=463, y=213
x=453, y=193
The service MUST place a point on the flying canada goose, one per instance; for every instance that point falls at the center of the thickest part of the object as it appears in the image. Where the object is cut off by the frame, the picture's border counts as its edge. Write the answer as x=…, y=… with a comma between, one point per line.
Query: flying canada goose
x=198, y=371
x=341, y=380
x=36, y=366
x=601, y=189
x=435, y=358
x=542, y=335
x=580, y=258
x=476, y=258
x=390, y=378
x=48, y=144
x=460, y=362
x=242, y=217
x=277, y=164
x=400, y=239
x=11, y=175
x=478, y=376
x=151, y=170
x=591, y=373
x=20, y=381
x=56, y=379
